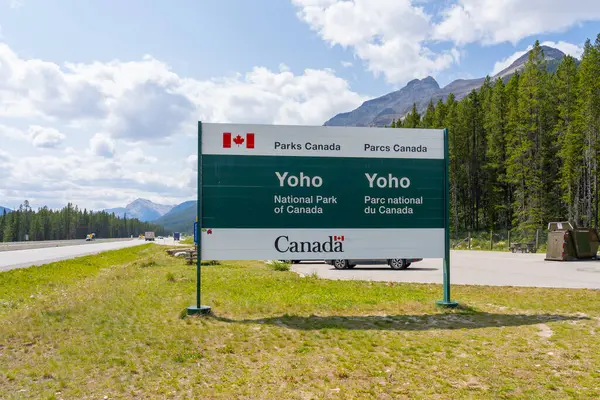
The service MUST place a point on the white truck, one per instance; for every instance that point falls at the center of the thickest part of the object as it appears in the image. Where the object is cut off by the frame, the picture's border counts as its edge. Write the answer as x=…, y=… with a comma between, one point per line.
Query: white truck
x=149, y=236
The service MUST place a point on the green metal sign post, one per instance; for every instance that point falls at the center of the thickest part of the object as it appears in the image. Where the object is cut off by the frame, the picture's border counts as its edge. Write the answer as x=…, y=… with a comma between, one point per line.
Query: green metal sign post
x=446, y=301
x=322, y=193
x=198, y=308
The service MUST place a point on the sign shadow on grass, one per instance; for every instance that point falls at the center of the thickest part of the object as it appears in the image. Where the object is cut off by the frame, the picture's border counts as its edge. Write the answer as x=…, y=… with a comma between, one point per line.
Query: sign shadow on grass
x=448, y=321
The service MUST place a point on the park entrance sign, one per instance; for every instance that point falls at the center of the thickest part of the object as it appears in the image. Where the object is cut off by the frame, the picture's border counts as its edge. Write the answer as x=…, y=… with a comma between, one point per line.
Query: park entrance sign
x=314, y=193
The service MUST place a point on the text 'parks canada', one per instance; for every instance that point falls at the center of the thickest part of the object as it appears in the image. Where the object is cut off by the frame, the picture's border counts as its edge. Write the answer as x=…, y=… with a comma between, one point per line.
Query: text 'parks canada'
x=307, y=146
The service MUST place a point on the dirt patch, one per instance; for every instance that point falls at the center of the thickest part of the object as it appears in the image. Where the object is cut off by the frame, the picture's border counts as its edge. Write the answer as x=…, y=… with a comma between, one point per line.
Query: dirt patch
x=545, y=331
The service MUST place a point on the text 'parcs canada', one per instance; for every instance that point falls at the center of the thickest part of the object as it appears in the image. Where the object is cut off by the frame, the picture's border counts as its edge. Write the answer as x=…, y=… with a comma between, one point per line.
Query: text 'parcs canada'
x=367, y=147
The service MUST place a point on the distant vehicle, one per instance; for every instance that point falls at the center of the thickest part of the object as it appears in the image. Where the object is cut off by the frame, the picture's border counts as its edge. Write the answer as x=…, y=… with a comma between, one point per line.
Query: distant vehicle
x=176, y=236
x=149, y=236
x=90, y=236
x=160, y=237
x=394, y=263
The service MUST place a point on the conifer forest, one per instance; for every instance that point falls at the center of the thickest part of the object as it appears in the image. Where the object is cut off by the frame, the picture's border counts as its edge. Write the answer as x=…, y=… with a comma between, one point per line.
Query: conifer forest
x=524, y=151
x=68, y=223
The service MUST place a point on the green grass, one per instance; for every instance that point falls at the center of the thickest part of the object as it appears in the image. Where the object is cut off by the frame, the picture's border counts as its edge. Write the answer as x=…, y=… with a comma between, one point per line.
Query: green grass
x=114, y=325
x=188, y=240
x=277, y=265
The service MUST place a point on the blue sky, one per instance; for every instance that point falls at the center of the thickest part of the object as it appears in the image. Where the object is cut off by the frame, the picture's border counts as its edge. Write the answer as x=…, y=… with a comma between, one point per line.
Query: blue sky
x=102, y=95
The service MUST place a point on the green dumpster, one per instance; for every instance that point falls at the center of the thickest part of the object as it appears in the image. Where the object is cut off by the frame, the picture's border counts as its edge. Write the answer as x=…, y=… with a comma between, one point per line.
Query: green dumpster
x=567, y=242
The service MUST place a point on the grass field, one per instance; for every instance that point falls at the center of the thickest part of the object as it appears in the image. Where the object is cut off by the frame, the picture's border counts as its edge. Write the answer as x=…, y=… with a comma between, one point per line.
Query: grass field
x=113, y=326
x=187, y=240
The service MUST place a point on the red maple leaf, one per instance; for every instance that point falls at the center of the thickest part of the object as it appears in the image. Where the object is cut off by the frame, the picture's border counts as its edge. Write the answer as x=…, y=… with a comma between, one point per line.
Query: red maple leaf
x=209, y=232
x=238, y=140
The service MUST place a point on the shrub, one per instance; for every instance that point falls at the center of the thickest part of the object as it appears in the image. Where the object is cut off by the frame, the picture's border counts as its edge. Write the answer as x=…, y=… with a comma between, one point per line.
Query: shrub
x=280, y=265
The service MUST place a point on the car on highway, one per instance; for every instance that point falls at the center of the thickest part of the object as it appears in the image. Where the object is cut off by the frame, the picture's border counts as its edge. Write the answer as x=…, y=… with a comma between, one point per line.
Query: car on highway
x=394, y=263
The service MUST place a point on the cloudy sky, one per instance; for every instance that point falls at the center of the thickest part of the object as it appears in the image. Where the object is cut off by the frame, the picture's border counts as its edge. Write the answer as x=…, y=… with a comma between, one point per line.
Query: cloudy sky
x=99, y=99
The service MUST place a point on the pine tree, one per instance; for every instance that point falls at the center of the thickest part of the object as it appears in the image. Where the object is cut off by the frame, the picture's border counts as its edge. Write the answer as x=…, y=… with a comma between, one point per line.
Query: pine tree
x=451, y=123
x=412, y=119
x=429, y=117
x=526, y=160
x=495, y=123
x=588, y=121
x=569, y=137
x=440, y=115
x=2, y=224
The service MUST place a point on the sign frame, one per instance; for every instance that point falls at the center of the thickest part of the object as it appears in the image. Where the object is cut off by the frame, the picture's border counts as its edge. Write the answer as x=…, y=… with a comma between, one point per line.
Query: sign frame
x=446, y=301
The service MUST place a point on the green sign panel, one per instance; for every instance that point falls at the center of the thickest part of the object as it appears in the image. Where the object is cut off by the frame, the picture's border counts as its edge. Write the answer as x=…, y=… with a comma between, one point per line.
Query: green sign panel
x=318, y=192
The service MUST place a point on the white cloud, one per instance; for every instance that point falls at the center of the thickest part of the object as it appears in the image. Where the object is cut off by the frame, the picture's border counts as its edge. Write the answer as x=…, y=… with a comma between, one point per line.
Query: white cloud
x=570, y=49
x=102, y=145
x=192, y=162
x=567, y=48
x=145, y=100
x=116, y=104
x=502, y=64
x=12, y=133
x=389, y=34
x=4, y=156
x=347, y=64
x=45, y=137
x=15, y=3
x=88, y=180
x=498, y=21
x=38, y=136
x=137, y=156
x=397, y=37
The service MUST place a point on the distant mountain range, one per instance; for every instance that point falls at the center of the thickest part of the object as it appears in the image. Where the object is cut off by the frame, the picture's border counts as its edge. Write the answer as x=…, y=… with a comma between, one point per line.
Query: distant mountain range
x=179, y=218
x=142, y=209
x=395, y=105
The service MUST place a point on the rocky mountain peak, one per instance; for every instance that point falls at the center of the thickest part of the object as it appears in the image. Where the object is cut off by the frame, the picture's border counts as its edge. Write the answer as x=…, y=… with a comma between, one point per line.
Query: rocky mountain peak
x=381, y=111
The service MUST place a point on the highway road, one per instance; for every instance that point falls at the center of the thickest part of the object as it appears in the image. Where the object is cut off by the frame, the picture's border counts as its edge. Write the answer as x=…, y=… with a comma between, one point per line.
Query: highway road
x=475, y=268
x=37, y=256
x=11, y=246
x=19, y=257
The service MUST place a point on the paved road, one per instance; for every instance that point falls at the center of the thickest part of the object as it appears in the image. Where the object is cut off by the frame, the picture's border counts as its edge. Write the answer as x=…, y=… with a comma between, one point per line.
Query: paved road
x=28, y=257
x=37, y=256
x=11, y=246
x=476, y=268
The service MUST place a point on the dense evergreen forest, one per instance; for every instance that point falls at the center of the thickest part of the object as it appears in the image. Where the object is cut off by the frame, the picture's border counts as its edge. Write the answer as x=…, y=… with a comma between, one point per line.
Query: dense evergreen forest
x=68, y=223
x=526, y=151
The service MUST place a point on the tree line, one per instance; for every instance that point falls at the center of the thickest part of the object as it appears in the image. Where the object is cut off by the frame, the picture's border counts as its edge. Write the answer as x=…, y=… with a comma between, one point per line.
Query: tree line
x=68, y=223
x=524, y=151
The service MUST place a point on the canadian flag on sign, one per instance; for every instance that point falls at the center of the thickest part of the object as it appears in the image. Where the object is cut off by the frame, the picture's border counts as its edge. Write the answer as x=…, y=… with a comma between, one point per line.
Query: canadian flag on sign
x=238, y=140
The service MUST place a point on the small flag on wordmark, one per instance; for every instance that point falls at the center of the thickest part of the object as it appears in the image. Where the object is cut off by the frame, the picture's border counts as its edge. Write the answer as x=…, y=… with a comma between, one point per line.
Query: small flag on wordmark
x=238, y=140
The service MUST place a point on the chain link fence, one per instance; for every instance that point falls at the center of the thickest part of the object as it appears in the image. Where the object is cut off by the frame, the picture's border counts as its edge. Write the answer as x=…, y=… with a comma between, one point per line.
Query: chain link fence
x=501, y=240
